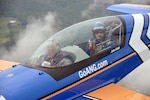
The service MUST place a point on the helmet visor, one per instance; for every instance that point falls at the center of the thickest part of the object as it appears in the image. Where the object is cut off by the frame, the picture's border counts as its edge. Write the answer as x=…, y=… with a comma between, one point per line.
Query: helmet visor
x=98, y=31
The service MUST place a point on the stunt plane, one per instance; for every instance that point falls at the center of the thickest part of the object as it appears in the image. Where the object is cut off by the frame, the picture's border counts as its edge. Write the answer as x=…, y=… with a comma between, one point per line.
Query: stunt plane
x=85, y=60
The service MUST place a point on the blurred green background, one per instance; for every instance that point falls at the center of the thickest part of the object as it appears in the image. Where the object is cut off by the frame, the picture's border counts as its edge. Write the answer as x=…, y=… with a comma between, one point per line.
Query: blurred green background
x=14, y=14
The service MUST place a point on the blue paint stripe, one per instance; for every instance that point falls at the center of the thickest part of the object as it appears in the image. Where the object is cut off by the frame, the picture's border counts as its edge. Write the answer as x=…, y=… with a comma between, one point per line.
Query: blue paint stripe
x=129, y=23
x=111, y=75
x=144, y=37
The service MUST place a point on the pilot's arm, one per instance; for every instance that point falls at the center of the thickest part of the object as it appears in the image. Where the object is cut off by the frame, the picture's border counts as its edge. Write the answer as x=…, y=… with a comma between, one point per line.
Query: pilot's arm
x=111, y=44
x=64, y=62
x=90, y=47
x=48, y=64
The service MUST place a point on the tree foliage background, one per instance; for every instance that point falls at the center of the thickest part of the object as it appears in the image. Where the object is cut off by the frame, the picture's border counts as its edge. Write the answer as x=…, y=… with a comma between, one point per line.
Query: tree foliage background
x=69, y=11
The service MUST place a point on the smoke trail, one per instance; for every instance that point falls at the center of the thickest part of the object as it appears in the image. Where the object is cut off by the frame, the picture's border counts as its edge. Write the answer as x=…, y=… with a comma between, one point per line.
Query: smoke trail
x=35, y=33
x=138, y=79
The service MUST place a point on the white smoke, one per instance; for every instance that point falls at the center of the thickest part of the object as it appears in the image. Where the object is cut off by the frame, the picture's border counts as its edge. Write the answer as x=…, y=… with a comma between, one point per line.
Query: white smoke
x=138, y=80
x=37, y=31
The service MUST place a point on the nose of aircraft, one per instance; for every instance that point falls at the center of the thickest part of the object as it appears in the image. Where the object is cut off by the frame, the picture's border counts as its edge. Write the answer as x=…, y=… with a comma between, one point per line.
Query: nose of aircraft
x=20, y=82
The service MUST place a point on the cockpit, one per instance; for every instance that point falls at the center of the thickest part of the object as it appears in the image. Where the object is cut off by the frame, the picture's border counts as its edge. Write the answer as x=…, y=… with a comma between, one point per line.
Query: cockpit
x=70, y=45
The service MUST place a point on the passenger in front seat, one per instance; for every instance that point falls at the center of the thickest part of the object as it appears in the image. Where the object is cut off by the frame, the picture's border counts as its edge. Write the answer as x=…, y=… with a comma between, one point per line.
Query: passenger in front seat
x=57, y=58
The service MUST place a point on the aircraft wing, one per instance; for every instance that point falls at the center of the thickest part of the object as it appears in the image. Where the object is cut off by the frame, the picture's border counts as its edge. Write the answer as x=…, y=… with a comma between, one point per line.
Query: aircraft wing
x=6, y=64
x=118, y=92
x=129, y=8
x=113, y=92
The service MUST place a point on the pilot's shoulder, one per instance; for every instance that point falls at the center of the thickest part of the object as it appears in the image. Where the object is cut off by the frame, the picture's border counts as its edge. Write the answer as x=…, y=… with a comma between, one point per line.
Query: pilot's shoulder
x=68, y=55
x=92, y=39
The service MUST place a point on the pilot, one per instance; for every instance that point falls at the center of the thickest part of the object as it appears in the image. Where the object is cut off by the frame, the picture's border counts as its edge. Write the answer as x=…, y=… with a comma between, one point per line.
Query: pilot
x=99, y=40
x=98, y=37
x=57, y=58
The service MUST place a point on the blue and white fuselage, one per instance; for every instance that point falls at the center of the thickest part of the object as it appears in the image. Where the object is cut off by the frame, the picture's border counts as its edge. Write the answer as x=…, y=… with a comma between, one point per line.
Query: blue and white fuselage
x=35, y=82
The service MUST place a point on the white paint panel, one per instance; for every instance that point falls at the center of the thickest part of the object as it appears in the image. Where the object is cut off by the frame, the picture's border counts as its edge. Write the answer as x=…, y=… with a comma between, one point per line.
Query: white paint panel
x=2, y=98
x=135, y=42
x=91, y=98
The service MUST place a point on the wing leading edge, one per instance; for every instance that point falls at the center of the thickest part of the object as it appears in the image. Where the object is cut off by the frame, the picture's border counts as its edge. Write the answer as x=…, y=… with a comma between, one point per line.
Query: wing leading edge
x=6, y=64
x=113, y=92
x=129, y=8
